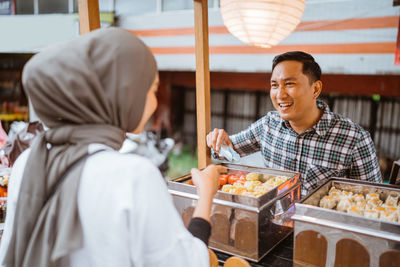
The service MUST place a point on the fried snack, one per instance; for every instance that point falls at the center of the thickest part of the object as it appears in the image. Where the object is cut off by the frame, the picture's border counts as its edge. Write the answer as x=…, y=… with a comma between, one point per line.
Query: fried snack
x=335, y=196
x=369, y=206
x=359, y=200
x=252, y=176
x=392, y=200
x=280, y=179
x=346, y=194
x=388, y=205
x=371, y=196
x=357, y=210
x=389, y=214
x=238, y=184
x=333, y=190
x=327, y=202
x=250, y=185
x=277, y=180
x=371, y=214
x=344, y=204
x=380, y=210
x=373, y=202
x=226, y=187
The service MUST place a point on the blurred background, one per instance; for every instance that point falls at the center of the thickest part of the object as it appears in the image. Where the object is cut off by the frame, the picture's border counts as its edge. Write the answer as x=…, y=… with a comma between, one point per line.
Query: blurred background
x=354, y=41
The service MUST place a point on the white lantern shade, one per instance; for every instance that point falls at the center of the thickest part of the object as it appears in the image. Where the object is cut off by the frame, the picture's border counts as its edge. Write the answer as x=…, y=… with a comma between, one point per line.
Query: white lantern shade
x=261, y=23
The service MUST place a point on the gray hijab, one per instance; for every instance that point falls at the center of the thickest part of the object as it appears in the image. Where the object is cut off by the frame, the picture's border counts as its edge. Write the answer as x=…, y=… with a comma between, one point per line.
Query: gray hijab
x=89, y=90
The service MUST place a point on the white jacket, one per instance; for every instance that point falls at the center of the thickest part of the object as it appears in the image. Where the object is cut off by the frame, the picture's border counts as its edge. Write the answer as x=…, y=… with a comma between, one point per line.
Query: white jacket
x=127, y=215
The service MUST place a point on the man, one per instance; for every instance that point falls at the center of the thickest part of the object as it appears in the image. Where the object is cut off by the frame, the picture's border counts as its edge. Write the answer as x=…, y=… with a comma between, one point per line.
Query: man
x=303, y=135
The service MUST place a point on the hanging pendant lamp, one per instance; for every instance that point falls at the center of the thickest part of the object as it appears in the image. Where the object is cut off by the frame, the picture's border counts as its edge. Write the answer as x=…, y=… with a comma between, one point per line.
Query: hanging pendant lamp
x=261, y=23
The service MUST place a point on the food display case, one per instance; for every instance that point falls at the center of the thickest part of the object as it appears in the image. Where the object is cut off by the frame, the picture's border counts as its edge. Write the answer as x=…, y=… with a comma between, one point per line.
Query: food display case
x=246, y=226
x=367, y=234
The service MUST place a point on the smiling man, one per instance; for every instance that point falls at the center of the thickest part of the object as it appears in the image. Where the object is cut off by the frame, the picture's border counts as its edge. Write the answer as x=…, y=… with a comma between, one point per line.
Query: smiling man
x=303, y=135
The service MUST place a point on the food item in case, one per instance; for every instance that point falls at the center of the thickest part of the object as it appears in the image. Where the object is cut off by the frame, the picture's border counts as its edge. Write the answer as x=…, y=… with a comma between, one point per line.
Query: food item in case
x=246, y=184
x=344, y=204
x=388, y=205
x=389, y=214
x=392, y=200
x=370, y=205
x=346, y=195
x=223, y=179
x=335, y=196
x=227, y=188
x=371, y=214
x=371, y=196
x=250, y=185
x=380, y=210
x=252, y=176
x=335, y=191
x=359, y=199
x=373, y=202
x=235, y=178
x=277, y=180
x=355, y=209
x=327, y=202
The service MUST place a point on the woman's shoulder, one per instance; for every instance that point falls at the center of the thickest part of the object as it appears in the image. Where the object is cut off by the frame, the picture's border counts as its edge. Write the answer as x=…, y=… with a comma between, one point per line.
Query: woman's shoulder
x=115, y=159
x=121, y=176
x=119, y=166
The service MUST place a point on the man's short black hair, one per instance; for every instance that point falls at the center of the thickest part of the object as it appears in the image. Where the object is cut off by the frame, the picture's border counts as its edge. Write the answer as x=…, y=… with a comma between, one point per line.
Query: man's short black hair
x=310, y=67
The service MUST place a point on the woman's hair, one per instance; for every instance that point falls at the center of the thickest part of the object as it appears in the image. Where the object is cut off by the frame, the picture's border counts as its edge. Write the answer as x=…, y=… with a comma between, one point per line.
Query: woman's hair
x=310, y=67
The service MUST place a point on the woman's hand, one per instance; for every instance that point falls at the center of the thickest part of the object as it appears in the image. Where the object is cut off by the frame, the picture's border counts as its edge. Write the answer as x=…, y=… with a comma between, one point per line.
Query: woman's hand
x=207, y=180
x=216, y=138
x=207, y=183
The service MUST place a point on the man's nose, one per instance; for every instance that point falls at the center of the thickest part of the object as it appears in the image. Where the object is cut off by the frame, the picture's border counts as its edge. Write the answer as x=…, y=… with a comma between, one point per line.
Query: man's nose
x=281, y=91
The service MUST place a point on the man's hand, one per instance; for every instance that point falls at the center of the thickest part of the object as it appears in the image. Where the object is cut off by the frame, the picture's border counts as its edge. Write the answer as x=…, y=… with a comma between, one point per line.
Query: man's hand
x=207, y=180
x=216, y=138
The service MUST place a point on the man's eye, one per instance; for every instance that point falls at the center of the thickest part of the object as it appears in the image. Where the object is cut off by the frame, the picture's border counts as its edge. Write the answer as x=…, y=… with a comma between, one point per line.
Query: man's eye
x=289, y=84
x=273, y=85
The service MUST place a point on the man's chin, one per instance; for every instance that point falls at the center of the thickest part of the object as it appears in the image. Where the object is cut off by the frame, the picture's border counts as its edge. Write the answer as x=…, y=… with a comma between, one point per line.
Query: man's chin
x=284, y=116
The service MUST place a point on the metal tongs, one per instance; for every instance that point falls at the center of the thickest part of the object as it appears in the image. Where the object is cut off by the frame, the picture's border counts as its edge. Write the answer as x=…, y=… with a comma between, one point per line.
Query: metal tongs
x=226, y=152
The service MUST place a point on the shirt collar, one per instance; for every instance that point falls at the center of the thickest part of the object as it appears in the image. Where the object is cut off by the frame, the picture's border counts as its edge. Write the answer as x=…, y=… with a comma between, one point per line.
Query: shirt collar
x=322, y=126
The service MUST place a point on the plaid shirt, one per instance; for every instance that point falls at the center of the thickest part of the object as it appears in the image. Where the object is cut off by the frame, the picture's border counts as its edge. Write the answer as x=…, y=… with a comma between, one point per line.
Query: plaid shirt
x=334, y=147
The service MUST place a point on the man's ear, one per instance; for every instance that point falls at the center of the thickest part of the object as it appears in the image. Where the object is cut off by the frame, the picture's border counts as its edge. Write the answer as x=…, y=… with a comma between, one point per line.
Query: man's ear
x=317, y=88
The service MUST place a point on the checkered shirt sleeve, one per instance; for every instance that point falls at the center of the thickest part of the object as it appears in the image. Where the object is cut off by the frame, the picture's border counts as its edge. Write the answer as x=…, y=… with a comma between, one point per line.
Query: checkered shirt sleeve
x=364, y=162
x=248, y=141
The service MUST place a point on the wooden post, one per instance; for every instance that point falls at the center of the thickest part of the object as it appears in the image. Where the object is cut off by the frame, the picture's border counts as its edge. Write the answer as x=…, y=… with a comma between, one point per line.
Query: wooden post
x=202, y=80
x=89, y=15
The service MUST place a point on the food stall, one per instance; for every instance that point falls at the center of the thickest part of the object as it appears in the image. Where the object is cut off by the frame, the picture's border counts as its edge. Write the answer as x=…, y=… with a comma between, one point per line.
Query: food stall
x=251, y=211
x=250, y=226
x=345, y=222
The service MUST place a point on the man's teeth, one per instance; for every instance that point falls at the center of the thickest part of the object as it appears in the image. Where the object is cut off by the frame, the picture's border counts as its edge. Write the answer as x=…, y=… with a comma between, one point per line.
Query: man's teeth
x=285, y=105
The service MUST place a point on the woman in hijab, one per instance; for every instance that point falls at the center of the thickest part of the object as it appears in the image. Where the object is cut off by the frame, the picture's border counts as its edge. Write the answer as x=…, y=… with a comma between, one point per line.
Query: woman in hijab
x=73, y=199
